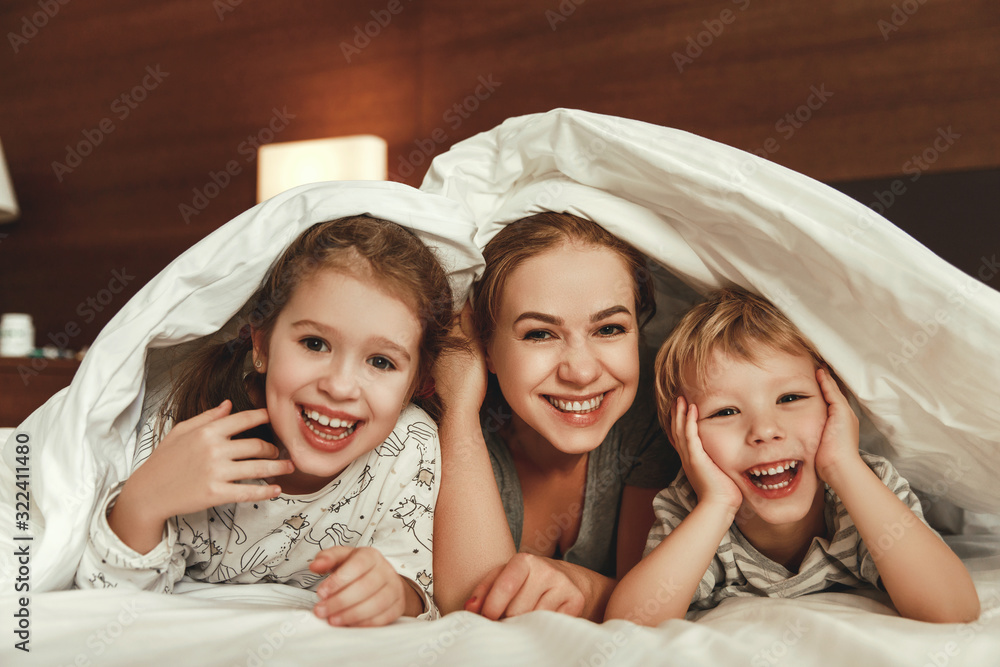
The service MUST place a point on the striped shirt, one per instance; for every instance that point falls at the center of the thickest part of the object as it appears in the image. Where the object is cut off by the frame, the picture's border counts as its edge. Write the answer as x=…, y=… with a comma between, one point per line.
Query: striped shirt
x=739, y=570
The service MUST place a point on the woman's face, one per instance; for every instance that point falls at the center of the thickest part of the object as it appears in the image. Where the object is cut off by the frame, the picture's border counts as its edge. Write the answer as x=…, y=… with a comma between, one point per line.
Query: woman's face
x=566, y=346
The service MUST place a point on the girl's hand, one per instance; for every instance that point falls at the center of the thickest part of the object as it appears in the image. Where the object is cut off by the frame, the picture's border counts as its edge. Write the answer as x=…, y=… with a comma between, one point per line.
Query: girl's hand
x=839, y=443
x=526, y=583
x=196, y=466
x=460, y=375
x=708, y=480
x=362, y=589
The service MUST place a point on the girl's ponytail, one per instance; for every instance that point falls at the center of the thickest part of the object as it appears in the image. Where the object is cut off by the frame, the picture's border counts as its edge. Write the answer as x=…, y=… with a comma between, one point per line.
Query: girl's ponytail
x=213, y=374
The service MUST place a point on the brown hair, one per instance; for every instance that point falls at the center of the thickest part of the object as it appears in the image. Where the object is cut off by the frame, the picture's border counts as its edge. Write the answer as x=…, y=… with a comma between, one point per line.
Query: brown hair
x=535, y=234
x=732, y=321
x=391, y=255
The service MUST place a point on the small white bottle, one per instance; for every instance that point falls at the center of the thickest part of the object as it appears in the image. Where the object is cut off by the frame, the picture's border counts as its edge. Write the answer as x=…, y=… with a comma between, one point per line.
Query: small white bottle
x=17, y=335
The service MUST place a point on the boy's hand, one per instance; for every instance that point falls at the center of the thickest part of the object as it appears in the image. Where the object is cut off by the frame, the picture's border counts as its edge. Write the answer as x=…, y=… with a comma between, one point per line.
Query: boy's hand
x=197, y=465
x=362, y=589
x=708, y=480
x=839, y=443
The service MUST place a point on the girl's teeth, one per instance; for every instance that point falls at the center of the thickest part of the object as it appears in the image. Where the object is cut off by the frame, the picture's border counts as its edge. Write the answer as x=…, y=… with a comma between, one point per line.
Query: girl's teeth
x=581, y=407
x=323, y=420
x=332, y=422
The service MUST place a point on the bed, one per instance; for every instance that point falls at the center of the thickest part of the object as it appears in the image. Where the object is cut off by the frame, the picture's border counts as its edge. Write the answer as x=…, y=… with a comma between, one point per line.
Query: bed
x=912, y=337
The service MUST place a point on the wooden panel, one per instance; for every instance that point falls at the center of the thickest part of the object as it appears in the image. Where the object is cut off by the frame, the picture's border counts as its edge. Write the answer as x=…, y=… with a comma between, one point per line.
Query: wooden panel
x=25, y=384
x=413, y=79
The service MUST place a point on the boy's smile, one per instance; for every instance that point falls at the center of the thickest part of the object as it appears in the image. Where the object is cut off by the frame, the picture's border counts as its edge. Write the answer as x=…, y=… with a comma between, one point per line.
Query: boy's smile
x=761, y=423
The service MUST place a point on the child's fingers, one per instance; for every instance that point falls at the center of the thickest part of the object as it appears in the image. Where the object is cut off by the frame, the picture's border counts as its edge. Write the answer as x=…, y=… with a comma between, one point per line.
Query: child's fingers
x=247, y=493
x=328, y=559
x=357, y=602
x=375, y=608
x=831, y=390
x=354, y=566
x=230, y=425
x=204, y=418
x=691, y=429
x=245, y=449
x=259, y=469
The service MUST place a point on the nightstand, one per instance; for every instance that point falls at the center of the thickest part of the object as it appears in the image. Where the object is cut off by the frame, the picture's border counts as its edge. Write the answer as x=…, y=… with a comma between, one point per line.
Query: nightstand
x=26, y=383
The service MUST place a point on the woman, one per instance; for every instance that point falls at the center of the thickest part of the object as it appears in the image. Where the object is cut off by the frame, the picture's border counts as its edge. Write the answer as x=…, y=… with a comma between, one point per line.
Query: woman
x=548, y=477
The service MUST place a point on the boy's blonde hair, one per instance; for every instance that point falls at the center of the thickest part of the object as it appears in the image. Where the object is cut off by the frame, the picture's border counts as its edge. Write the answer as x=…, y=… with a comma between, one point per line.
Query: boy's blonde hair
x=732, y=321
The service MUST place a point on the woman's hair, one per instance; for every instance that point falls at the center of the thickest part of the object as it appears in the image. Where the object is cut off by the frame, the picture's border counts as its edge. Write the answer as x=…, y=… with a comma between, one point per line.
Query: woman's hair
x=535, y=234
x=384, y=252
x=732, y=321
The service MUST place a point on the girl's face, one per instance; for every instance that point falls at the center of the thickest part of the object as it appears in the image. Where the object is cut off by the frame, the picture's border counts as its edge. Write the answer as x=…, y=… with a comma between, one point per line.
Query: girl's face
x=341, y=364
x=566, y=346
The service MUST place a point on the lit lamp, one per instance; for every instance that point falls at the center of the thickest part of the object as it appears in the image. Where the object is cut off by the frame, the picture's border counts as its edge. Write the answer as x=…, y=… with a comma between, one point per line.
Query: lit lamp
x=8, y=202
x=282, y=166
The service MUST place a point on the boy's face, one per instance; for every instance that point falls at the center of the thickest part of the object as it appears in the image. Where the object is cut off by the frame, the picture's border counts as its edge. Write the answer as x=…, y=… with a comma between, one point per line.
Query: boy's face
x=755, y=420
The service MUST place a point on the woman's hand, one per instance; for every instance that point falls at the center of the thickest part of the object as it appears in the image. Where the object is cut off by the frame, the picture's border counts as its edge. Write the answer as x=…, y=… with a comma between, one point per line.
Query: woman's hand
x=460, y=375
x=708, y=480
x=839, y=443
x=362, y=589
x=195, y=467
x=526, y=583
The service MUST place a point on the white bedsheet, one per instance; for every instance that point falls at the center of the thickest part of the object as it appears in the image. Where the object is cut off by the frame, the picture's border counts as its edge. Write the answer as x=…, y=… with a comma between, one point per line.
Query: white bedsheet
x=860, y=288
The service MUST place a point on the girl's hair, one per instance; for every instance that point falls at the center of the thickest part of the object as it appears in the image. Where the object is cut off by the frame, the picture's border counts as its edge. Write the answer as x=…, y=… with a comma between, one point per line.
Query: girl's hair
x=390, y=255
x=732, y=321
x=535, y=234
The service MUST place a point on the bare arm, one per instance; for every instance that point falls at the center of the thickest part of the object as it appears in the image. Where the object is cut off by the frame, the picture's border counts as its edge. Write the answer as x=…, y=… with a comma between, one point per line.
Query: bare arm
x=635, y=518
x=471, y=535
x=661, y=586
x=924, y=578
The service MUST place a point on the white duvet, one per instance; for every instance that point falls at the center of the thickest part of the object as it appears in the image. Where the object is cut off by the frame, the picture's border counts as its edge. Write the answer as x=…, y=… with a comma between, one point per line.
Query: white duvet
x=912, y=337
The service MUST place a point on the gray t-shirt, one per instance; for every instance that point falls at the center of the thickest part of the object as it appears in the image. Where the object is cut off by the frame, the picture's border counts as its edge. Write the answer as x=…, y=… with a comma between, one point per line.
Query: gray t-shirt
x=635, y=452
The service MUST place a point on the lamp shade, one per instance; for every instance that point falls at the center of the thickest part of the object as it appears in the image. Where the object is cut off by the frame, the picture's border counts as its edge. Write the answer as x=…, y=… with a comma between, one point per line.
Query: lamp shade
x=282, y=166
x=8, y=202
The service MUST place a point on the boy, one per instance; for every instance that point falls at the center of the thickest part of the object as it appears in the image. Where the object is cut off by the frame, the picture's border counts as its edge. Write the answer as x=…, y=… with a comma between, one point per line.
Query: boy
x=775, y=499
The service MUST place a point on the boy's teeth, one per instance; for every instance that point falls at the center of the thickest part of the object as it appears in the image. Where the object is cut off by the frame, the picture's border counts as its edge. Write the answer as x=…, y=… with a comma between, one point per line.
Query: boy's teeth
x=581, y=407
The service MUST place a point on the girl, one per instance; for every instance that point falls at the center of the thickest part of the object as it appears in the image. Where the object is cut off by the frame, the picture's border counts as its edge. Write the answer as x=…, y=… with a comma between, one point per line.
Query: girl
x=296, y=457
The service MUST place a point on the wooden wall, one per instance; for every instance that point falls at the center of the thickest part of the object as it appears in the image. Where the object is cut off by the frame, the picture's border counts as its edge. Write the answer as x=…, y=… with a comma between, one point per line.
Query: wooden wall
x=216, y=75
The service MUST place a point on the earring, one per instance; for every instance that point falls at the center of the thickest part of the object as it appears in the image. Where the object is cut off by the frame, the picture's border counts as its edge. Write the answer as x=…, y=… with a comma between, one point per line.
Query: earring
x=257, y=364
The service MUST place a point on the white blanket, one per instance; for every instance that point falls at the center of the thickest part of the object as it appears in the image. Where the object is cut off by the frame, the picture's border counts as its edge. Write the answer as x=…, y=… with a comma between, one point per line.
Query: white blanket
x=913, y=337
x=866, y=293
